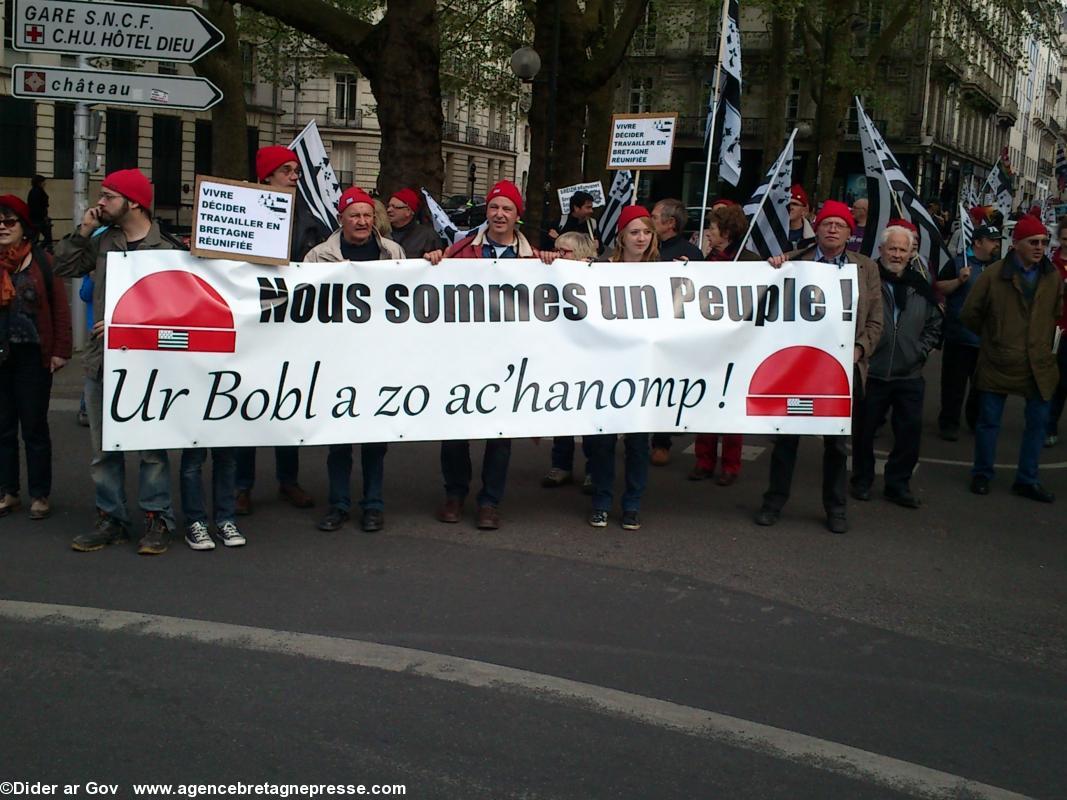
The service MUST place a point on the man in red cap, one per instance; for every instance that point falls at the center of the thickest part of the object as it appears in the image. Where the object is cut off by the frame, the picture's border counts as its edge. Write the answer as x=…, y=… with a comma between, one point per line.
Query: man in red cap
x=500, y=239
x=278, y=167
x=356, y=240
x=833, y=225
x=1014, y=307
x=416, y=239
x=124, y=211
x=801, y=234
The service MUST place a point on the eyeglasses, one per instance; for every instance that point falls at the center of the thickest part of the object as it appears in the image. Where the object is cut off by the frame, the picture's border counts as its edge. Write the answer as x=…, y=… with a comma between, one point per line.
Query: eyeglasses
x=9, y=222
x=109, y=196
x=833, y=226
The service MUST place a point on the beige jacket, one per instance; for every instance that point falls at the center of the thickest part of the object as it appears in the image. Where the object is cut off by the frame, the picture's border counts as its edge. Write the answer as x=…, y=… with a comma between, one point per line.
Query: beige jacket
x=330, y=250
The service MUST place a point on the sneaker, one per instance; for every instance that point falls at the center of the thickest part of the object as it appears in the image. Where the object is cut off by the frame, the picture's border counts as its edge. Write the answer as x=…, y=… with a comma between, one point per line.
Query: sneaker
x=599, y=519
x=156, y=537
x=556, y=477
x=1051, y=440
x=197, y=537
x=631, y=521
x=587, y=485
x=106, y=531
x=229, y=535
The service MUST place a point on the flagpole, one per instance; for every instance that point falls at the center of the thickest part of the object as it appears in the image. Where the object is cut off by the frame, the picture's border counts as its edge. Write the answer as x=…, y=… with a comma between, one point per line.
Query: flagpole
x=763, y=200
x=715, y=87
x=637, y=180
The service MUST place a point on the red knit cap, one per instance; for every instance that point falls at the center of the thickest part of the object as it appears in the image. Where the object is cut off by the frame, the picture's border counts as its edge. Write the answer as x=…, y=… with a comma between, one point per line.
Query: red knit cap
x=408, y=197
x=353, y=195
x=19, y=209
x=724, y=201
x=506, y=189
x=131, y=184
x=270, y=158
x=629, y=214
x=979, y=214
x=835, y=208
x=1028, y=226
x=897, y=222
x=798, y=194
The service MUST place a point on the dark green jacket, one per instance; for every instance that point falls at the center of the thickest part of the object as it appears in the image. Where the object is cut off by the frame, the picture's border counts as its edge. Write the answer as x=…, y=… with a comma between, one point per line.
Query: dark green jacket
x=1015, y=355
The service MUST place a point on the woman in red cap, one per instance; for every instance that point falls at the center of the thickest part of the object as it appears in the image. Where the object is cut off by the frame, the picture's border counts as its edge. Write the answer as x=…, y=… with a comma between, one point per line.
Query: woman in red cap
x=35, y=341
x=726, y=229
x=635, y=242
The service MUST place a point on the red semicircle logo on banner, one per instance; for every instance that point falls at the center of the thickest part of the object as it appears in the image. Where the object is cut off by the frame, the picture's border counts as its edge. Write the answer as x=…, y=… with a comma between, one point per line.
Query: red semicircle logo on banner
x=799, y=381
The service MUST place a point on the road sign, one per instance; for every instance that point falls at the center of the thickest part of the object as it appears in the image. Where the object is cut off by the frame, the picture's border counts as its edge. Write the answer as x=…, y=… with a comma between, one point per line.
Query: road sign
x=122, y=30
x=39, y=82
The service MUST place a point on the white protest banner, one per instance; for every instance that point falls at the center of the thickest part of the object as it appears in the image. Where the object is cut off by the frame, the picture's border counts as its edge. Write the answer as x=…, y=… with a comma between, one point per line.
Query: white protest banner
x=214, y=353
x=641, y=141
x=237, y=219
x=594, y=189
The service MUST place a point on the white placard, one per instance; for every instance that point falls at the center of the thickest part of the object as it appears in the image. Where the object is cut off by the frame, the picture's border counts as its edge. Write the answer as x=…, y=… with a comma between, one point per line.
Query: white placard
x=596, y=189
x=215, y=353
x=236, y=219
x=642, y=141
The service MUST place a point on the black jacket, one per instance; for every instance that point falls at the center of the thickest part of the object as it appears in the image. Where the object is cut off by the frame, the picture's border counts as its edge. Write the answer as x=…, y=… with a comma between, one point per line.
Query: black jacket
x=307, y=231
x=908, y=334
x=679, y=247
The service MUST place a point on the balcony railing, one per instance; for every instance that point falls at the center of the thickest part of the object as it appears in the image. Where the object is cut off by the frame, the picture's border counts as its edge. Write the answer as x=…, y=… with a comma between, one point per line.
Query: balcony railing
x=450, y=131
x=498, y=140
x=344, y=117
x=694, y=126
x=1009, y=110
x=474, y=135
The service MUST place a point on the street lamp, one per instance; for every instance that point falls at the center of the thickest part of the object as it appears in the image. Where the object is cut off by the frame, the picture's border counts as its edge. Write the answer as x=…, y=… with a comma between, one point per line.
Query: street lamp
x=525, y=63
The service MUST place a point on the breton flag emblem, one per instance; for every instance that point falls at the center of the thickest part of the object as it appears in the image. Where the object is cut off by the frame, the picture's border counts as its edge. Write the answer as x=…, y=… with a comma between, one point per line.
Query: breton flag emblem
x=172, y=340
x=172, y=310
x=800, y=405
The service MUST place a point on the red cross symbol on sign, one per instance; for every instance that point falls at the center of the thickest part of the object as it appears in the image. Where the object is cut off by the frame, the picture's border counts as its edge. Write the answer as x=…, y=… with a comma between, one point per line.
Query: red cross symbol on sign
x=34, y=34
x=33, y=82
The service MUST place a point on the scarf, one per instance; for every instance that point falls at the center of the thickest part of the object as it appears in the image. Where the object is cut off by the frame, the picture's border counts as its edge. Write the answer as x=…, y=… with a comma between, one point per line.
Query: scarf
x=900, y=283
x=10, y=262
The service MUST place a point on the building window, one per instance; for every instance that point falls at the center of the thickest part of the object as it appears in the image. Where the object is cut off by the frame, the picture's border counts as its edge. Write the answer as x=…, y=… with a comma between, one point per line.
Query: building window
x=248, y=63
x=167, y=160
x=346, y=94
x=63, y=148
x=252, y=140
x=167, y=68
x=121, y=150
x=9, y=25
x=640, y=95
x=792, y=102
x=202, y=147
x=526, y=139
x=644, y=41
x=18, y=132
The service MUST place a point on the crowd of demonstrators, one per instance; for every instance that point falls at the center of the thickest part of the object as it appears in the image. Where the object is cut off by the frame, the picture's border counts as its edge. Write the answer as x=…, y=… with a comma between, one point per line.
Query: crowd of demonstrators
x=35, y=341
x=999, y=322
x=911, y=328
x=1015, y=307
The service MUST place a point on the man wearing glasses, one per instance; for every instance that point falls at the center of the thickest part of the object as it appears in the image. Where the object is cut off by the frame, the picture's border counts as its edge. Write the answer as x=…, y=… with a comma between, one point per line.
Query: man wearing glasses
x=416, y=239
x=124, y=212
x=277, y=167
x=1013, y=307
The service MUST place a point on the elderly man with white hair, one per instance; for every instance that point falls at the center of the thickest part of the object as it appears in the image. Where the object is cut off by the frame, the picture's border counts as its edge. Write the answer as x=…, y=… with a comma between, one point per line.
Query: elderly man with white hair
x=911, y=329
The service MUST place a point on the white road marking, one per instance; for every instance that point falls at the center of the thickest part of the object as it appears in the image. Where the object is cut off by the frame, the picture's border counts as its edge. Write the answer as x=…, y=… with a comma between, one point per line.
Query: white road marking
x=798, y=748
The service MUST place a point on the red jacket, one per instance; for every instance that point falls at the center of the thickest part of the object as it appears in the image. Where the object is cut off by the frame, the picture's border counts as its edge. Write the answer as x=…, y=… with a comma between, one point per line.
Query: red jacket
x=471, y=247
x=53, y=322
x=1060, y=261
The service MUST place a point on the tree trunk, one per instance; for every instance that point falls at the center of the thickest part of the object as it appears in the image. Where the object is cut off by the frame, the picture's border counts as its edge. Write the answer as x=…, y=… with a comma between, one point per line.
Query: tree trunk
x=774, y=117
x=229, y=120
x=598, y=134
x=829, y=131
x=406, y=81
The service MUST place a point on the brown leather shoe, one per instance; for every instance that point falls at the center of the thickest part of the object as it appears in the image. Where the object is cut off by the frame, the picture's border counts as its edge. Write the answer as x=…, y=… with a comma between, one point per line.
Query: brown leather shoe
x=451, y=510
x=295, y=495
x=242, y=503
x=661, y=456
x=39, y=508
x=9, y=503
x=488, y=518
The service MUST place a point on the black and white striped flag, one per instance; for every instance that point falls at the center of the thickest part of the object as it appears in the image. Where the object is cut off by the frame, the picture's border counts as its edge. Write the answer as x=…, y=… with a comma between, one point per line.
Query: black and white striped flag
x=890, y=194
x=318, y=184
x=442, y=225
x=727, y=122
x=768, y=208
x=966, y=230
x=619, y=196
x=1000, y=189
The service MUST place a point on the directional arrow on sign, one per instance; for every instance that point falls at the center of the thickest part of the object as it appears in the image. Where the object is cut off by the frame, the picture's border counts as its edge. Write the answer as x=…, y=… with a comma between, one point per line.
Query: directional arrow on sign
x=121, y=30
x=37, y=82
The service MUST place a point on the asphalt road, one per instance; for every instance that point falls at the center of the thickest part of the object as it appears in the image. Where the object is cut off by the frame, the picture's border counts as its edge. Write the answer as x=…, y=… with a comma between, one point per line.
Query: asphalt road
x=923, y=654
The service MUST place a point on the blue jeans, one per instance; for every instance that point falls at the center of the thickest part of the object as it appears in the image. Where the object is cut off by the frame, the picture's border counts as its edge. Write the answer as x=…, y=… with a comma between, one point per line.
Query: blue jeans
x=602, y=461
x=222, y=492
x=990, y=411
x=339, y=470
x=563, y=453
x=457, y=470
x=108, y=469
x=286, y=466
